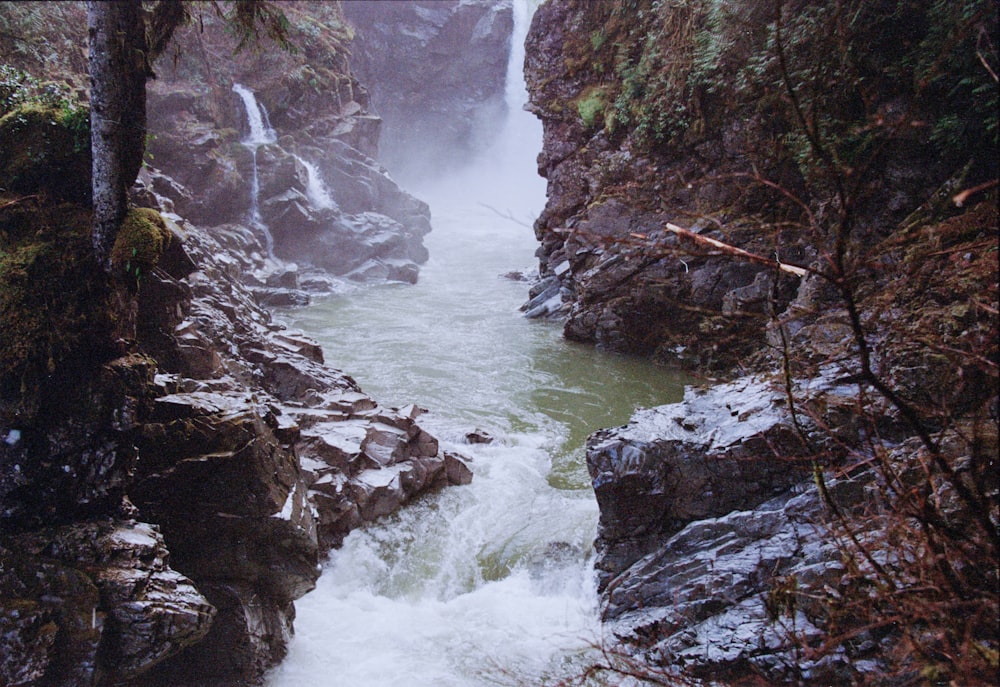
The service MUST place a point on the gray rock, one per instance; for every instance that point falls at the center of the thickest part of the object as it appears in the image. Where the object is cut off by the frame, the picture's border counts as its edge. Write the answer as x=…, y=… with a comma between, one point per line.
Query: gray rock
x=727, y=448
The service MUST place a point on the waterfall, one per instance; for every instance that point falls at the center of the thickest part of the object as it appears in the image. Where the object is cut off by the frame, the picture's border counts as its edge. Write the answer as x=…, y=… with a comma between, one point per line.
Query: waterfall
x=260, y=134
x=260, y=129
x=490, y=583
x=316, y=190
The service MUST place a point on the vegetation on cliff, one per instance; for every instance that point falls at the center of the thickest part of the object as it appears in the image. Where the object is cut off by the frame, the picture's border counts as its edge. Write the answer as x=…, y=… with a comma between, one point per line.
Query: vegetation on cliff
x=856, y=141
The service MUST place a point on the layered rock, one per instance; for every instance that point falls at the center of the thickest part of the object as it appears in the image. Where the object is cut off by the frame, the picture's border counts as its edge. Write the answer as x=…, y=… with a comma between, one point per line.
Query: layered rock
x=246, y=461
x=140, y=610
x=323, y=200
x=174, y=463
x=707, y=514
x=723, y=449
x=436, y=71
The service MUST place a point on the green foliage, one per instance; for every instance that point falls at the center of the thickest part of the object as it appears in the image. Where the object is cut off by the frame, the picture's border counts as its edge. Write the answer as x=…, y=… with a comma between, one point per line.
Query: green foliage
x=952, y=66
x=44, y=143
x=250, y=20
x=47, y=39
x=860, y=74
x=591, y=106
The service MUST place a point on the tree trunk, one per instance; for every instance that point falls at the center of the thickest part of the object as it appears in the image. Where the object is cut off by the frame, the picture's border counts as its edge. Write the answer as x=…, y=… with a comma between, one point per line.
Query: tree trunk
x=118, y=71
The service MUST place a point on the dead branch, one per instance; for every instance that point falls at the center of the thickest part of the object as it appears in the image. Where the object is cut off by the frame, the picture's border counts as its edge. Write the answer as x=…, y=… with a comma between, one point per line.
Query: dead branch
x=733, y=250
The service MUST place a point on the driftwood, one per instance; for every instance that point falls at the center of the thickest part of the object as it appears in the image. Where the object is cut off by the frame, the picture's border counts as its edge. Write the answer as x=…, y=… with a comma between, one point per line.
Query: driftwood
x=731, y=250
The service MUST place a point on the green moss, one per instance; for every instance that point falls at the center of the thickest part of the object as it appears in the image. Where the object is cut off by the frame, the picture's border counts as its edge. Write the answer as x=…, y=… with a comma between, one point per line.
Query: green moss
x=141, y=240
x=54, y=300
x=590, y=106
x=45, y=149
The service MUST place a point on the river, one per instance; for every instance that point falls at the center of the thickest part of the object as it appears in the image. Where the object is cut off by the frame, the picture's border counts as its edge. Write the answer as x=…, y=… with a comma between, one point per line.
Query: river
x=490, y=583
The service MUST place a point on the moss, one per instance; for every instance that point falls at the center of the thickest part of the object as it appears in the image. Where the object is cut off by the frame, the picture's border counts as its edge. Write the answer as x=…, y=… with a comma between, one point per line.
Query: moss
x=54, y=300
x=590, y=106
x=45, y=149
x=141, y=240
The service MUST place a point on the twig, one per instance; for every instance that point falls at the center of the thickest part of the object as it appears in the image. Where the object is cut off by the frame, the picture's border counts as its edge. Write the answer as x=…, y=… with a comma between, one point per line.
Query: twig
x=17, y=201
x=507, y=215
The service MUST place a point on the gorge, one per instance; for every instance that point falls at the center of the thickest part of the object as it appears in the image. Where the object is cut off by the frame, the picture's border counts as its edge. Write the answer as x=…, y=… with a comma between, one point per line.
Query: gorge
x=668, y=459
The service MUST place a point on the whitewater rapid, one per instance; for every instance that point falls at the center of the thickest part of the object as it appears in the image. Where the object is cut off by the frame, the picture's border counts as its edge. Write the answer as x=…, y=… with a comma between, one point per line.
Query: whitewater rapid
x=490, y=583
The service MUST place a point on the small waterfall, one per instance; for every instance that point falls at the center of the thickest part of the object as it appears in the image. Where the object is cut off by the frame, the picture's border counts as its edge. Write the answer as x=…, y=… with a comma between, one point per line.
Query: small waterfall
x=260, y=129
x=316, y=190
x=260, y=134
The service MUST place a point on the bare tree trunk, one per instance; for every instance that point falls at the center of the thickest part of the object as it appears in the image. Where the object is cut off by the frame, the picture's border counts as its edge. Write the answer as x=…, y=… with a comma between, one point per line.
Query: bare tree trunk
x=118, y=71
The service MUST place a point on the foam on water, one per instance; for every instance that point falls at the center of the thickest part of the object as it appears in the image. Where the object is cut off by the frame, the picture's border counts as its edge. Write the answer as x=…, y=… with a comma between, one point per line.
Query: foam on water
x=490, y=583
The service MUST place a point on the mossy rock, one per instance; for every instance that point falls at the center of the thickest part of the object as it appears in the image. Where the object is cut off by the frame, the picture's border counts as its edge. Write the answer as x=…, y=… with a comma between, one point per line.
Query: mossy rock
x=54, y=299
x=142, y=238
x=46, y=149
x=591, y=105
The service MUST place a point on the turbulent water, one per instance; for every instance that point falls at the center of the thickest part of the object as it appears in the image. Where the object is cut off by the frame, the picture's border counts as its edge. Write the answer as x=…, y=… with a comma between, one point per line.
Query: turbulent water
x=489, y=583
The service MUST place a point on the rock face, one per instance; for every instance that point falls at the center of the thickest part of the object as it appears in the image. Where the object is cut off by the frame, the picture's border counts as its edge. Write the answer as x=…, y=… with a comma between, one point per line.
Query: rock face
x=321, y=198
x=724, y=449
x=707, y=510
x=655, y=115
x=174, y=463
x=687, y=171
x=256, y=458
x=436, y=71
x=125, y=614
x=251, y=457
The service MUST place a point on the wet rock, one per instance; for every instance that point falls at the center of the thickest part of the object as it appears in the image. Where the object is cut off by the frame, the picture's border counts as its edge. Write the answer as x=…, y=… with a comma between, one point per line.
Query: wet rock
x=140, y=612
x=479, y=436
x=51, y=628
x=250, y=635
x=280, y=298
x=727, y=448
x=457, y=90
x=705, y=599
x=457, y=469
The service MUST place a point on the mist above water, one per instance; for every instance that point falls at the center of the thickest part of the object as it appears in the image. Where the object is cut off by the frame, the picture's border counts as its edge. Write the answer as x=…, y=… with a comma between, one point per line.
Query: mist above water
x=489, y=583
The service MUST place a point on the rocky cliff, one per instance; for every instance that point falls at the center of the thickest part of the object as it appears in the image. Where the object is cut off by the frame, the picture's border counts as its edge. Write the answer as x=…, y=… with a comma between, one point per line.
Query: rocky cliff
x=174, y=463
x=436, y=71
x=660, y=113
x=312, y=179
x=803, y=193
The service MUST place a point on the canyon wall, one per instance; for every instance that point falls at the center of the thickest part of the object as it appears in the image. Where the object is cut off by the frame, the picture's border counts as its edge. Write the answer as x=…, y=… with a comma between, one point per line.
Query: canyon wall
x=174, y=463
x=436, y=72
x=799, y=197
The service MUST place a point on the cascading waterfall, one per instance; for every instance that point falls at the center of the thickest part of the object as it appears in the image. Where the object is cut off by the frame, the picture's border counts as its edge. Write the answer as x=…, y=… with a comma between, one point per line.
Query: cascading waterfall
x=260, y=134
x=489, y=583
x=316, y=191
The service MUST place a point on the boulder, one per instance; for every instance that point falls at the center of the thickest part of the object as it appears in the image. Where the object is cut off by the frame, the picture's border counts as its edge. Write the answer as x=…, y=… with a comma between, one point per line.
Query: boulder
x=139, y=613
x=726, y=448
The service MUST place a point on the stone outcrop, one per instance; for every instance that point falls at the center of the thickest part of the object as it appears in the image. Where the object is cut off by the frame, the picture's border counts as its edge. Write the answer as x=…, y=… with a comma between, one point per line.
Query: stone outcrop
x=722, y=449
x=98, y=599
x=707, y=508
x=687, y=171
x=436, y=71
x=322, y=197
x=256, y=458
x=250, y=455
x=174, y=463
x=655, y=114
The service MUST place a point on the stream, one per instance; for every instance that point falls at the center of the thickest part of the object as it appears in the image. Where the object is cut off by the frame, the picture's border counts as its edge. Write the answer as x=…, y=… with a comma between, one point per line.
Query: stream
x=490, y=583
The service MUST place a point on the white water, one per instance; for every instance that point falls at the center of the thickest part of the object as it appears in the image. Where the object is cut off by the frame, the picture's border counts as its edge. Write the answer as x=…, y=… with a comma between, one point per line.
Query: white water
x=490, y=583
x=260, y=129
x=316, y=191
x=260, y=134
